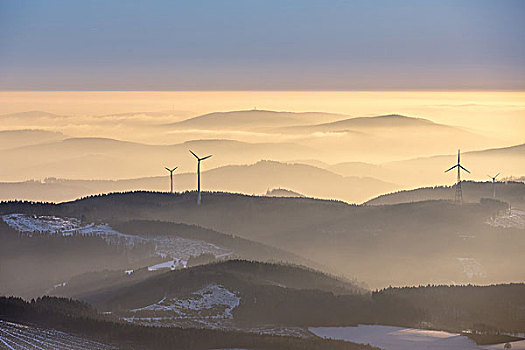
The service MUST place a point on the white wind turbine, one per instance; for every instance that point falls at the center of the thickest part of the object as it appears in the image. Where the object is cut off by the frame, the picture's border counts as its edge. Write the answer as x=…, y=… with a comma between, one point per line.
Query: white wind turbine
x=493, y=184
x=199, y=174
x=171, y=177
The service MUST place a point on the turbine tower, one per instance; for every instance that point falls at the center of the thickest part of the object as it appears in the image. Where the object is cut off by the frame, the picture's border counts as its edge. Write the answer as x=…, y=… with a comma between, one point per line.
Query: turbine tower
x=493, y=184
x=171, y=177
x=199, y=175
x=458, y=198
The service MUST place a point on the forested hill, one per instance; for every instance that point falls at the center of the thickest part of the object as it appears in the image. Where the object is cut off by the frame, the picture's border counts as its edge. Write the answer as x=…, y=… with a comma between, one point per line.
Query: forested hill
x=512, y=192
x=78, y=318
x=379, y=245
x=294, y=296
x=490, y=309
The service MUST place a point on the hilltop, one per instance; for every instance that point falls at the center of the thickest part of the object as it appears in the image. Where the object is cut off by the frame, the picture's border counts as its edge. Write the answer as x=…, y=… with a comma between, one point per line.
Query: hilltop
x=25, y=137
x=253, y=119
x=282, y=192
x=378, y=122
x=512, y=192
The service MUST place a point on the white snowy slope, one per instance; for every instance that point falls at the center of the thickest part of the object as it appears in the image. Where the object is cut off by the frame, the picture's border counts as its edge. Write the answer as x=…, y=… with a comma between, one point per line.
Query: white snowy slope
x=176, y=250
x=209, y=306
x=14, y=336
x=514, y=218
x=33, y=224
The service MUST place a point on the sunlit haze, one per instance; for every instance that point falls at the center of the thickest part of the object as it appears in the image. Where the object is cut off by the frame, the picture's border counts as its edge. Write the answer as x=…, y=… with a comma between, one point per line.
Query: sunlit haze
x=278, y=175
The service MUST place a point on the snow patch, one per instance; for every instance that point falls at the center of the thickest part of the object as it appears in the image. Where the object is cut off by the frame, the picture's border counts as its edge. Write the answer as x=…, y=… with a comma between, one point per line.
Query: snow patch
x=33, y=224
x=209, y=306
x=177, y=249
x=172, y=265
x=513, y=218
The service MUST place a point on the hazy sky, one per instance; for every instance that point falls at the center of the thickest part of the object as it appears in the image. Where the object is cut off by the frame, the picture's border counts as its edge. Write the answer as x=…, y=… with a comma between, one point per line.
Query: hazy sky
x=261, y=45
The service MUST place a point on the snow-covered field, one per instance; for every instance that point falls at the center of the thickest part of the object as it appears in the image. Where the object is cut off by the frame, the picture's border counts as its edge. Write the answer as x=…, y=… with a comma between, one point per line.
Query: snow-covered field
x=15, y=336
x=397, y=338
x=515, y=218
x=209, y=306
x=176, y=250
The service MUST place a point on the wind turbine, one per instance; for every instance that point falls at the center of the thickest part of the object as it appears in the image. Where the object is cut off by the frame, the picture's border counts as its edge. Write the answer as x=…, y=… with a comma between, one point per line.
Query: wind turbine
x=493, y=184
x=458, y=198
x=171, y=177
x=199, y=174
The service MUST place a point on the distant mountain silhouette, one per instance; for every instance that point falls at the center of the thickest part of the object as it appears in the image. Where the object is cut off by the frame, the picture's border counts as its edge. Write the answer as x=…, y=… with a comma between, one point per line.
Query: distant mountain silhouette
x=510, y=192
x=360, y=123
x=428, y=171
x=31, y=115
x=253, y=119
x=25, y=137
x=282, y=192
x=93, y=157
x=251, y=179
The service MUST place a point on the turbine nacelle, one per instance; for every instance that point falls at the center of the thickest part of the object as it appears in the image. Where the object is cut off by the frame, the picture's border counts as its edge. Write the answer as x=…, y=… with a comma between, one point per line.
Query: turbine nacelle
x=199, y=159
x=458, y=165
x=171, y=177
x=493, y=177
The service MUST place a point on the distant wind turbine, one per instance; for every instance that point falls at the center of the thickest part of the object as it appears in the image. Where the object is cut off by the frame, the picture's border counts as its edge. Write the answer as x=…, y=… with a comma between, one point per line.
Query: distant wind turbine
x=493, y=184
x=199, y=174
x=171, y=177
x=458, y=198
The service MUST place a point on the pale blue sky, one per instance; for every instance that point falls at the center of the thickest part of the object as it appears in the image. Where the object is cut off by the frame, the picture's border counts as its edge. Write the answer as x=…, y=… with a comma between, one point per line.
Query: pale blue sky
x=262, y=45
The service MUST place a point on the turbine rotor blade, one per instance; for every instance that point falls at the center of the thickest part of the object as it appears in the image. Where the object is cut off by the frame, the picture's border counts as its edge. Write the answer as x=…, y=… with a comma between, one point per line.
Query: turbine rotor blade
x=496, y=175
x=196, y=156
x=463, y=168
x=206, y=157
x=167, y=169
x=451, y=168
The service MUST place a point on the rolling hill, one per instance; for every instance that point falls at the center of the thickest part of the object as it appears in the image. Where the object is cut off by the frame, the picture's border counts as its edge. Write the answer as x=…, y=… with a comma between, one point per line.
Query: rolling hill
x=428, y=171
x=509, y=191
x=252, y=179
x=25, y=137
x=248, y=295
x=48, y=317
x=410, y=243
x=383, y=138
x=391, y=121
x=252, y=120
x=102, y=158
x=31, y=116
x=64, y=247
